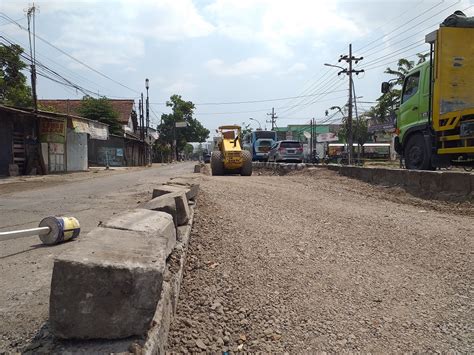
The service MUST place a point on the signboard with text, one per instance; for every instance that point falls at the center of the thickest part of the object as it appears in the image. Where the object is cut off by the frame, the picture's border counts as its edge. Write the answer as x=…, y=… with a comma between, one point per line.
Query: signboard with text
x=327, y=137
x=181, y=124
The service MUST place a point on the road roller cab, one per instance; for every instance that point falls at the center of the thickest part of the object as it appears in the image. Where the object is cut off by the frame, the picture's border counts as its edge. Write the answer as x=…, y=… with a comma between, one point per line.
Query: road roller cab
x=228, y=156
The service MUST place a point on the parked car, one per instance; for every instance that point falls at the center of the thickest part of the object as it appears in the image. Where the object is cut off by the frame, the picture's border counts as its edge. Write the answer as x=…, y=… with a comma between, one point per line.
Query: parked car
x=286, y=151
x=207, y=158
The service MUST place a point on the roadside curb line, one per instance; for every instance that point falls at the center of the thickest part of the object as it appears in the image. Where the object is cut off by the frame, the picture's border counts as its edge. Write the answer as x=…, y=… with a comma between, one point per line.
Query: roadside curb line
x=157, y=337
x=439, y=185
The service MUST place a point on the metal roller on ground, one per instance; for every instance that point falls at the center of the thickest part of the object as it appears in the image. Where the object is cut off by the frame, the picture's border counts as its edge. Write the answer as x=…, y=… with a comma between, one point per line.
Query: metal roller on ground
x=51, y=230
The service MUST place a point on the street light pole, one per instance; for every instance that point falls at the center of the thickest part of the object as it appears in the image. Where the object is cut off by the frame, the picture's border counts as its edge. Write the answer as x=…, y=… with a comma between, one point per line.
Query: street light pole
x=253, y=119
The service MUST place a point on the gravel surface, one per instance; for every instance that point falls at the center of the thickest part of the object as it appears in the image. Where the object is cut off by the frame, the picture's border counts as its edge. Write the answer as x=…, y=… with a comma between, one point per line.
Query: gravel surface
x=318, y=262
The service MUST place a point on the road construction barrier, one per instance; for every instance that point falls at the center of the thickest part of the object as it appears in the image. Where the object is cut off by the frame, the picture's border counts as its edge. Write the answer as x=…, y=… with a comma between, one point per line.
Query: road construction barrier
x=51, y=230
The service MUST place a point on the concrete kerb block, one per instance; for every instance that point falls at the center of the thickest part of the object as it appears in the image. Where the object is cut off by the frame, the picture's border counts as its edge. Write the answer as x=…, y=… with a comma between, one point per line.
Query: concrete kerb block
x=471, y=177
x=431, y=182
x=193, y=186
x=456, y=183
x=166, y=189
x=155, y=224
x=174, y=203
x=164, y=203
x=366, y=174
x=412, y=179
x=158, y=334
x=395, y=177
x=344, y=170
x=107, y=286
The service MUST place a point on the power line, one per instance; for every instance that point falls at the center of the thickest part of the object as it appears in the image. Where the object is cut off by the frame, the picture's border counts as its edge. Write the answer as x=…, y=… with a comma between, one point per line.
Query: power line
x=397, y=52
x=416, y=25
x=68, y=55
x=399, y=27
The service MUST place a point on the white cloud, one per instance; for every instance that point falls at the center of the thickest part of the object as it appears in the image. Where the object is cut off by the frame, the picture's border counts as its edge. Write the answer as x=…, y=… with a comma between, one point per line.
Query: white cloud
x=296, y=68
x=115, y=32
x=175, y=20
x=281, y=25
x=249, y=66
x=181, y=86
x=99, y=41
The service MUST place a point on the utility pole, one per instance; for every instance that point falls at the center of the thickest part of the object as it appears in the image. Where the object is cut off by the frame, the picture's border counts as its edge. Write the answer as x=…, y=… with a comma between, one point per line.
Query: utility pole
x=142, y=128
x=31, y=20
x=315, y=145
x=273, y=119
x=148, y=149
x=349, y=59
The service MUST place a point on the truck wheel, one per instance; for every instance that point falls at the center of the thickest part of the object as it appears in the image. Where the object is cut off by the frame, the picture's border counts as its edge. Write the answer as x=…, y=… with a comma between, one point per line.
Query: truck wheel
x=217, y=166
x=246, y=169
x=416, y=154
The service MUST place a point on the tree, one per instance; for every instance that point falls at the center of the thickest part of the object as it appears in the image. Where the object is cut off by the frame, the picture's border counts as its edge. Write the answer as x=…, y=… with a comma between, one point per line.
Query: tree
x=182, y=111
x=101, y=110
x=360, y=132
x=188, y=150
x=13, y=88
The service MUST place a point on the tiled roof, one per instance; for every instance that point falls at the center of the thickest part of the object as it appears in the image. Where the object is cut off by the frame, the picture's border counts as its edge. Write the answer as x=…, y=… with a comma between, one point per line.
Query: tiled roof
x=71, y=107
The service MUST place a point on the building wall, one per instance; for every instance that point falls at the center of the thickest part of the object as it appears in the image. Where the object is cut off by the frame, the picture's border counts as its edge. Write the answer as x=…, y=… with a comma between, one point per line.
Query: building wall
x=76, y=152
x=110, y=152
x=22, y=128
x=6, y=128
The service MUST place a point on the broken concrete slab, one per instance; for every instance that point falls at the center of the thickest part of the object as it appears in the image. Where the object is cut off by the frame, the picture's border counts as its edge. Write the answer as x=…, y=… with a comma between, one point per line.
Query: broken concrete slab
x=156, y=224
x=191, y=184
x=166, y=189
x=182, y=207
x=174, y=203
x=107, y=286
x=164, y=203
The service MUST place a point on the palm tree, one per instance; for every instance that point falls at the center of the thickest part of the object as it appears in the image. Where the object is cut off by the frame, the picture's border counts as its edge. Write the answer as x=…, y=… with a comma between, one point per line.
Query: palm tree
x=404, y=66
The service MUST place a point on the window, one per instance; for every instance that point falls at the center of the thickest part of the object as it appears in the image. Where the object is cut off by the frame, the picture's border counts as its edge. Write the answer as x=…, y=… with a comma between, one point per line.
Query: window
x=291, y=144
x=410, y=87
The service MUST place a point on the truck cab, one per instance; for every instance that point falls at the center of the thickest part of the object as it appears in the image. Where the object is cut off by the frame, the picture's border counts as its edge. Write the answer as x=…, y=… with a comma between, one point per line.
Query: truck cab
x=435, y=121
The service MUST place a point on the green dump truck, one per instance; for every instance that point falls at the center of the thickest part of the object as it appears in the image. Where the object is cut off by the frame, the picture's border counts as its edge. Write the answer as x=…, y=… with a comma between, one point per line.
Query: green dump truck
x=435, y=120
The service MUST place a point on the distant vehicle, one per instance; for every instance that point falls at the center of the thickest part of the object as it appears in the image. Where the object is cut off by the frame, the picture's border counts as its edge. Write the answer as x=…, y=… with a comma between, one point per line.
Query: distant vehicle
x=207, y=158
x=286, y=151
x=258, y=143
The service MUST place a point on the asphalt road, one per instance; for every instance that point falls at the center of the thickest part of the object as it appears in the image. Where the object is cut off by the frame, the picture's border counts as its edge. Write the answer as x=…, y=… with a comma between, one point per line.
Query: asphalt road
x=26, y=265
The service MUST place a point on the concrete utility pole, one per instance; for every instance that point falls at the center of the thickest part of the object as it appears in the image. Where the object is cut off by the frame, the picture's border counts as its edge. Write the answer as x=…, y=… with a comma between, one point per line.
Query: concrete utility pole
x=148, y=149
x=31, y=20
x=349, y=59
x=274, y=117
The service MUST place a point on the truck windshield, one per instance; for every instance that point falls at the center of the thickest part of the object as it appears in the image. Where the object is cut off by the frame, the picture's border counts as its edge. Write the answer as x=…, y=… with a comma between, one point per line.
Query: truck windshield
x=411, y=86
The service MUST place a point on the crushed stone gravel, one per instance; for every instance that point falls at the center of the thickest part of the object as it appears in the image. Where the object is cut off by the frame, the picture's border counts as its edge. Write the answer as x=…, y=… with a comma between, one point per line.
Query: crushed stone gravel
x=313, y=261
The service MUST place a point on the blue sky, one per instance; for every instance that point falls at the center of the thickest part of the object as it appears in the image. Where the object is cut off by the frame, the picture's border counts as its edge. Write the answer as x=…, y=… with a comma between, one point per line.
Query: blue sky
x=220, y=51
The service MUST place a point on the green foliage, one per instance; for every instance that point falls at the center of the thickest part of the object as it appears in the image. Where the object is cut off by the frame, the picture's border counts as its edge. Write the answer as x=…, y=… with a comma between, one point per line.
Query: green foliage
x=188, y=150
x=101, y=110
x=360, y=131
x=182, y=111
x=245, y=129
x=13, y=88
